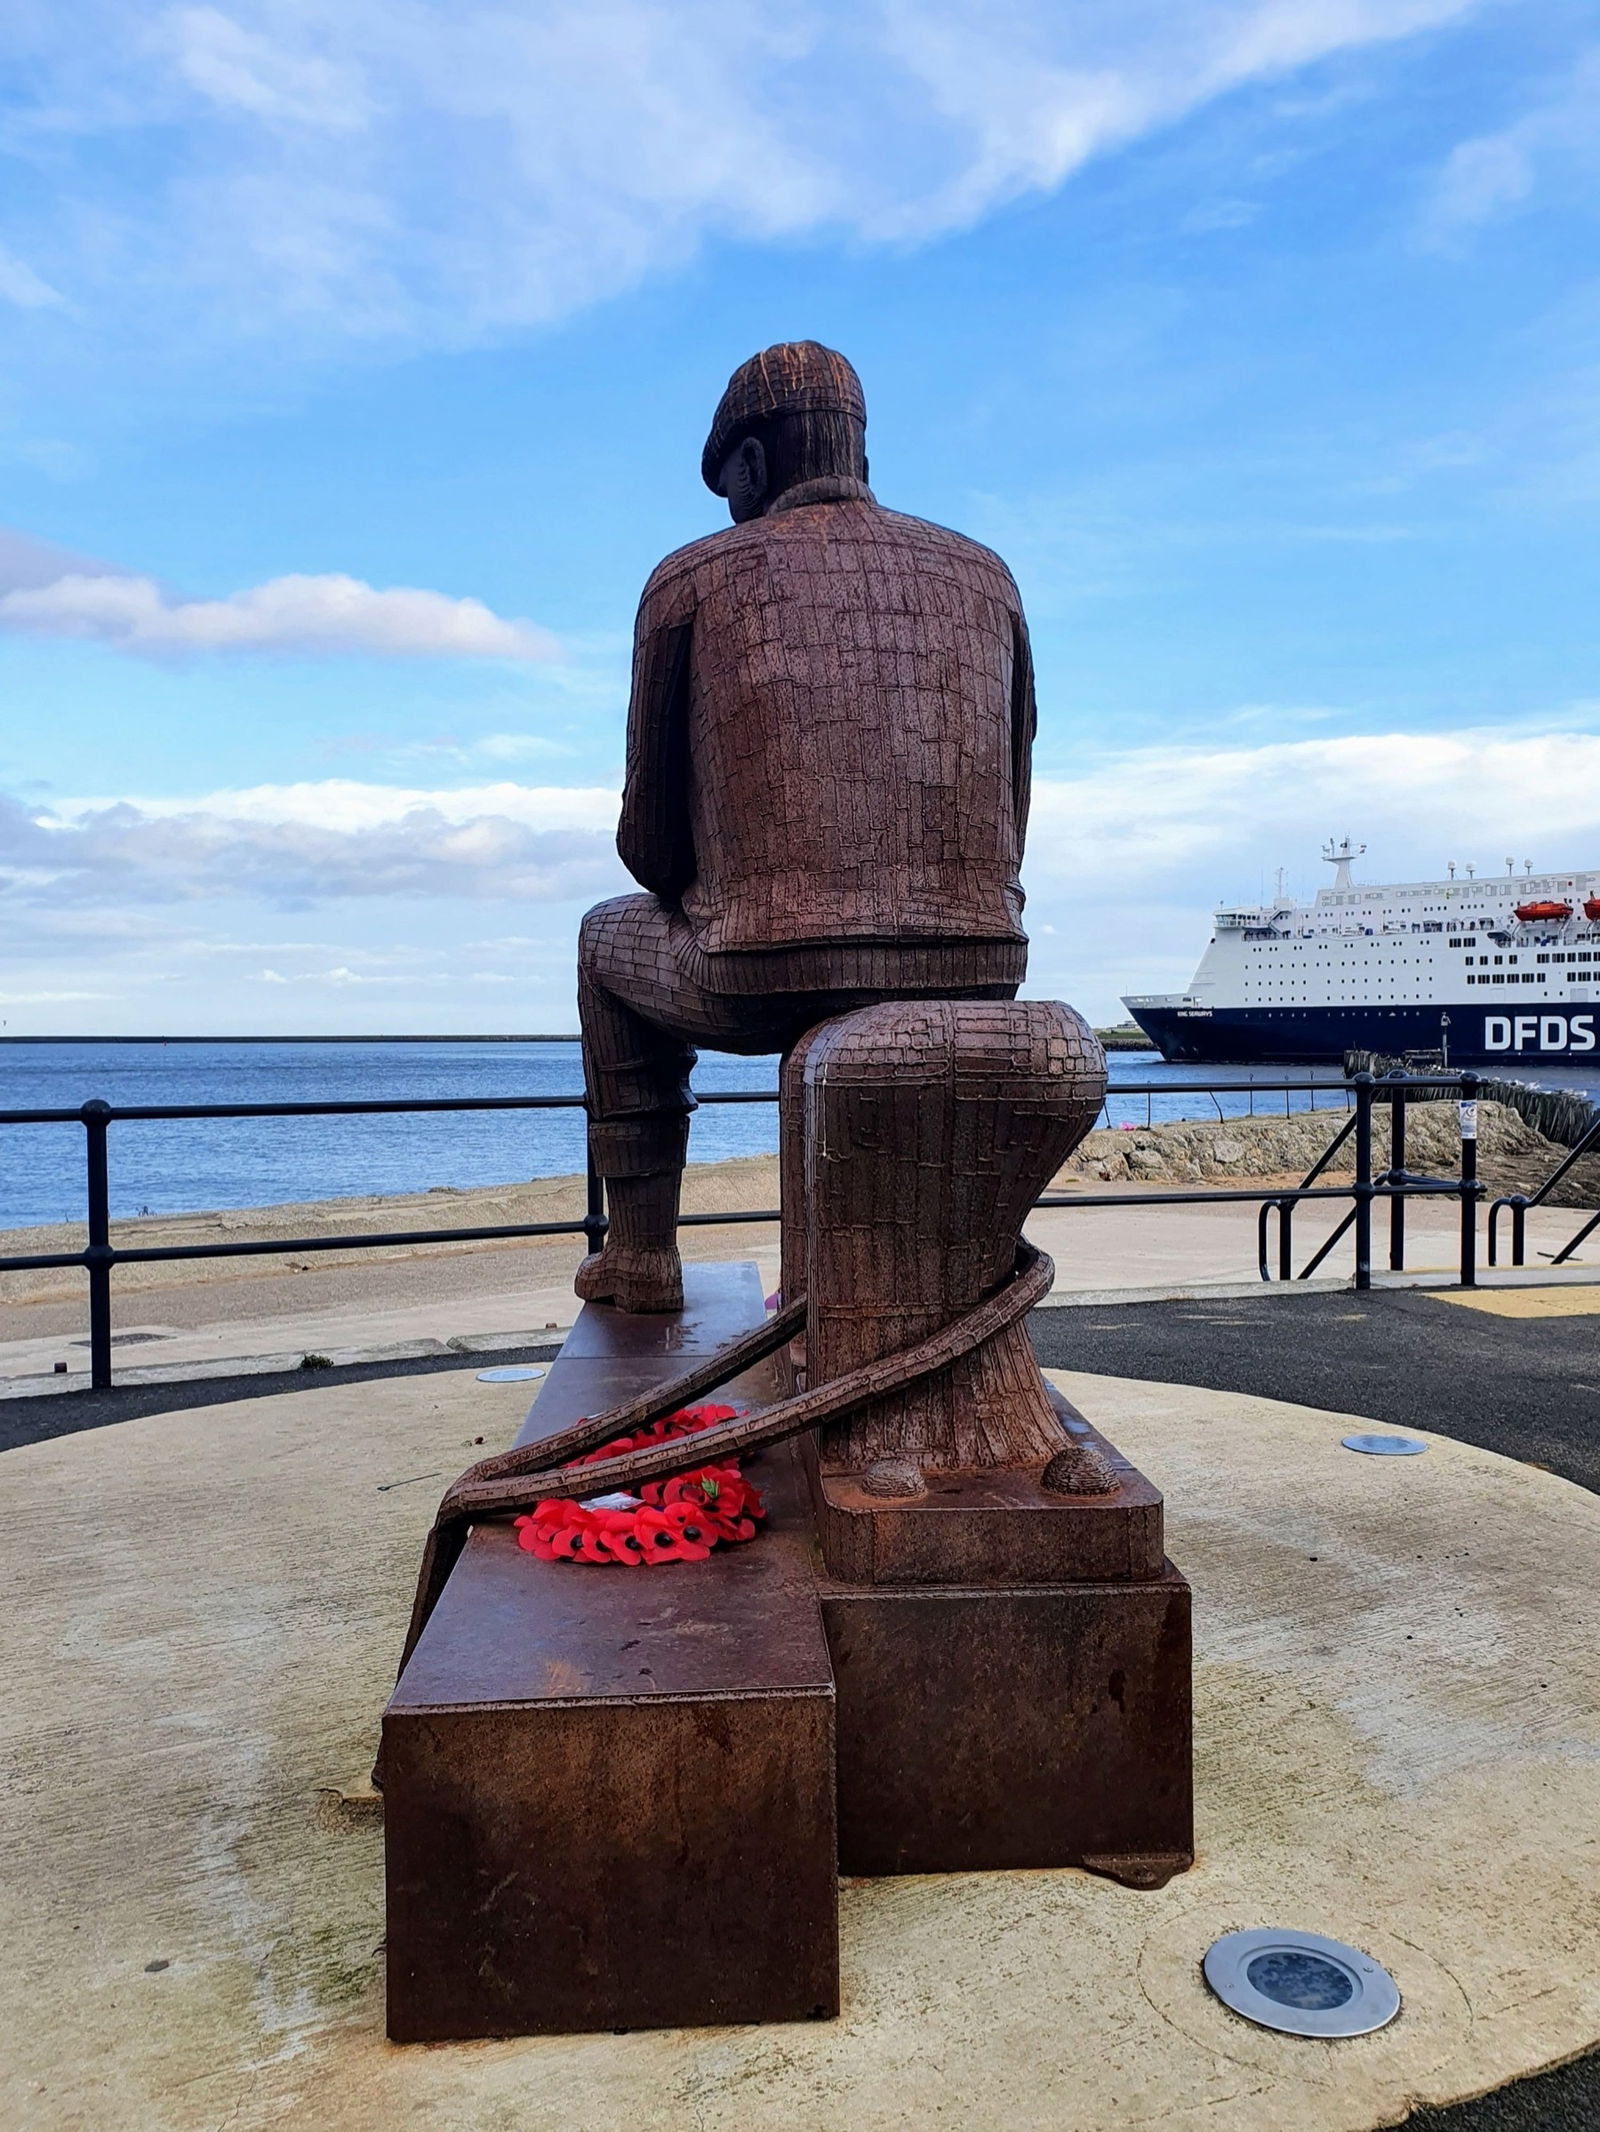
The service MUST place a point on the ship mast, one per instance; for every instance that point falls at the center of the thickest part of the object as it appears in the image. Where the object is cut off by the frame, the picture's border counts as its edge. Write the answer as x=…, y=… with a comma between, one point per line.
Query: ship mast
x=1341, y=857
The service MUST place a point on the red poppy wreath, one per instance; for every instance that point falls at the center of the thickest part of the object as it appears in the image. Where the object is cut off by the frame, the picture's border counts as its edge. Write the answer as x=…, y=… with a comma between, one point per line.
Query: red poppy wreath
x=677, y=1520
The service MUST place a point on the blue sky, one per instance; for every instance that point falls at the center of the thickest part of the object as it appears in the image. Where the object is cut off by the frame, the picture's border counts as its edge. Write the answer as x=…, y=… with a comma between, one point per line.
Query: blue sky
x=355, y=362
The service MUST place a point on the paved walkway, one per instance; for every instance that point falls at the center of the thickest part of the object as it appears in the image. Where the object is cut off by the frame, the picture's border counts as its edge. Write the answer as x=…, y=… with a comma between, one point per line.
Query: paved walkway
x=199, y=1317
x=1398, y=1681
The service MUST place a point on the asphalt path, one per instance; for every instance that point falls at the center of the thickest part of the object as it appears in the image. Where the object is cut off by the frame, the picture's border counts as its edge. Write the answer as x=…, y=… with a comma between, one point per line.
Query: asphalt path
x=1528, y=1388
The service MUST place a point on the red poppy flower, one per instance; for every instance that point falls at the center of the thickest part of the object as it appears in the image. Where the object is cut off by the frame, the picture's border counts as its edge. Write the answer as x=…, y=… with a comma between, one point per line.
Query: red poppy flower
x=592, y=1546
x=657, y=1535
x=695, y=1539
x=622, y=1542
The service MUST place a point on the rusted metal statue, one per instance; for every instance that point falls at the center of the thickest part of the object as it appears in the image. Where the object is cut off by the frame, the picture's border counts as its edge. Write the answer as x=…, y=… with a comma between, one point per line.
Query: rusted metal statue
x=827, y=788
x=958, y=1644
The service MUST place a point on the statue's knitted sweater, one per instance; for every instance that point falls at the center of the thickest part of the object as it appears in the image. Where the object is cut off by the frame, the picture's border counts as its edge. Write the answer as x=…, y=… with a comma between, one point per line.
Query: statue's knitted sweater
x=828, y=748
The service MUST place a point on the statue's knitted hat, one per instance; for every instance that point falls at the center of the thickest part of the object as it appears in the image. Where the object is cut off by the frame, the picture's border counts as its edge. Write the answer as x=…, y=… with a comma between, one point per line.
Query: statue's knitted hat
x=795, y=378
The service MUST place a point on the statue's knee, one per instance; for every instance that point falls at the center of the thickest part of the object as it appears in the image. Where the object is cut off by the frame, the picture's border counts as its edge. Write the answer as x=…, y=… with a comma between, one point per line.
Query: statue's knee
x=602, y=928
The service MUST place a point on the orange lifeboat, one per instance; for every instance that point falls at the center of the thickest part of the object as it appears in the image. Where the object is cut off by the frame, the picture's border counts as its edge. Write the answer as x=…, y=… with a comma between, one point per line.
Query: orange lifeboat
x=1531, y=913
x=1591, y=909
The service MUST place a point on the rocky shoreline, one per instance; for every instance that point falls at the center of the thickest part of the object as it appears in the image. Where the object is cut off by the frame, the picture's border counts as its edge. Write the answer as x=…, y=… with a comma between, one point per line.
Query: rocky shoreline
x=1512, y=1157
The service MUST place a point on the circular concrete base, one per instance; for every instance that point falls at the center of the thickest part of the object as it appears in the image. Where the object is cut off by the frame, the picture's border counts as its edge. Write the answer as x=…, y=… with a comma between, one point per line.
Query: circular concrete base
x=1398, y=1745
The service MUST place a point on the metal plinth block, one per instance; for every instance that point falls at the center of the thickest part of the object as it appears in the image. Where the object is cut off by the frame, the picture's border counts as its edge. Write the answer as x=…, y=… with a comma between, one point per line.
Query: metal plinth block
x=981, y=1729
x=609, y=1794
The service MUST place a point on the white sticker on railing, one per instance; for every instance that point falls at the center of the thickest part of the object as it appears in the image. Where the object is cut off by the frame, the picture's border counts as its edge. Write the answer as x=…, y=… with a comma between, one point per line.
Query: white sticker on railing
x=1469, y=1120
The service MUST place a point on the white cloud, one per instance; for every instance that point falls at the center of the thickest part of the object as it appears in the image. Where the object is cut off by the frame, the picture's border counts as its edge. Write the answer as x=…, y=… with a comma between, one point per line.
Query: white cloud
x=1128, y=860
x=440, y=170
x=1418, y=799
x=47, y=999
x=345, y=804
x=246, y=69
x=1488, y=178
x=21, y=286
x=287, y=614
x=309, y=844
x=1221, y=215
x=1174, y=826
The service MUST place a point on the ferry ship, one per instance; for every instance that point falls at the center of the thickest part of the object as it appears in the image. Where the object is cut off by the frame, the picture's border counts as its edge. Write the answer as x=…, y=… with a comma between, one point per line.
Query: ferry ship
x=1465, y=971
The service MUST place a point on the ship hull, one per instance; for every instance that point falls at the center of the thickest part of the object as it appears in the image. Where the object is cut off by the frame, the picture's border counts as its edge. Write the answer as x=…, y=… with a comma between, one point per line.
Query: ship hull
x=1311, y=1036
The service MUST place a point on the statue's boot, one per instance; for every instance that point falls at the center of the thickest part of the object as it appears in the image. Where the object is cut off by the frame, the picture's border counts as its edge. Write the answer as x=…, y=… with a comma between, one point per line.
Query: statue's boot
x=639, y=1268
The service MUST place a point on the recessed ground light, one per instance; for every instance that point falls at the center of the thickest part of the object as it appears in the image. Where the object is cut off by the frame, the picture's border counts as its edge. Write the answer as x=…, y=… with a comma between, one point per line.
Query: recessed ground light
x=1384, y=1446
x=1301, y=1983
x=512, y=1373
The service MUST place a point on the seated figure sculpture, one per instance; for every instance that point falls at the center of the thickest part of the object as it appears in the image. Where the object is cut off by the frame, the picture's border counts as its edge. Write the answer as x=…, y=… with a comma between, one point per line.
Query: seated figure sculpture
x=829, y=741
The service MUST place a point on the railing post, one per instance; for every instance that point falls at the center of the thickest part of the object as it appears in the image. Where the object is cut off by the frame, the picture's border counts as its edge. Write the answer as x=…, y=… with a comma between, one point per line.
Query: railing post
x=1519, y=1232
x=1469, y=1180
x=96, y=1115
x=595, y=1220
x=1284, y=1209
x=1363, y=1184
x=1397, y=1173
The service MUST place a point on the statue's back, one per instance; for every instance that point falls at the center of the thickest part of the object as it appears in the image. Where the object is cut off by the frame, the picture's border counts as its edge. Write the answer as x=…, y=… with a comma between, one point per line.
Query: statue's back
x=859, y=715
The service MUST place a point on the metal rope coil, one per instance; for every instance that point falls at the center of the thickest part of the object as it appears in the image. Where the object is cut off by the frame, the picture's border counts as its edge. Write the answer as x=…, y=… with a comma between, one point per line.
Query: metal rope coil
x=534, y=1473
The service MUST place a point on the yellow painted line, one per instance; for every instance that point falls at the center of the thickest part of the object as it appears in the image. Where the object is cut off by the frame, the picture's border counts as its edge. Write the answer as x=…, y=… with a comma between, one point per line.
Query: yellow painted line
x=1527, y=1302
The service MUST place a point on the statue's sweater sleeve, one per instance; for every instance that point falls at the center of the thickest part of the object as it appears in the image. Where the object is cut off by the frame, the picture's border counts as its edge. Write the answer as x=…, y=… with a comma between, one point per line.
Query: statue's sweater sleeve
x=654, y=837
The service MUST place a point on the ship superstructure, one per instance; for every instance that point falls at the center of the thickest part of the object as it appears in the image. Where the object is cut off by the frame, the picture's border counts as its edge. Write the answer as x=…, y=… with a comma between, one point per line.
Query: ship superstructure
x=1475, y=968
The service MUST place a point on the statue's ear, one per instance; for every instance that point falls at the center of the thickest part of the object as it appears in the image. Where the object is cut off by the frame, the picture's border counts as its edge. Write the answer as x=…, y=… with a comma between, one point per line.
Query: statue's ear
x=744, y=479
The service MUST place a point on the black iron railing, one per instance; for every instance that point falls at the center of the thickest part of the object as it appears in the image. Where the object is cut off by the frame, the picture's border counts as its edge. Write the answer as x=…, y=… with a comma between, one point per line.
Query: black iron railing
x=1520, y=1202
x=1394, y=1092
x=100, y=1256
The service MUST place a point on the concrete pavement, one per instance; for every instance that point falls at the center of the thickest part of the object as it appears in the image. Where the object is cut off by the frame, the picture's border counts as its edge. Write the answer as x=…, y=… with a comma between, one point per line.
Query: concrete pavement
x=1398, y=1677
x=201, y=1317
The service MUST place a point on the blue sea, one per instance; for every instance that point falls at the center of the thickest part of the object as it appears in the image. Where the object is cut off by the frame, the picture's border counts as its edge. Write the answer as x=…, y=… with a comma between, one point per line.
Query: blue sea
x=171, y=1167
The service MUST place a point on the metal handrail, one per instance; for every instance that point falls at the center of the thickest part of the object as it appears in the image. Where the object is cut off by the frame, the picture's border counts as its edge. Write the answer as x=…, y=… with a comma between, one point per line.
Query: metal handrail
x=1396, y=1183
x=100, y=1255
x=1520, y=1202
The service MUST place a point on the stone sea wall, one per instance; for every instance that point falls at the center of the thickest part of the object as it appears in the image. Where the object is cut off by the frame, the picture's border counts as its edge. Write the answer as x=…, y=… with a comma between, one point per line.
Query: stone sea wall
x=1512, y=1157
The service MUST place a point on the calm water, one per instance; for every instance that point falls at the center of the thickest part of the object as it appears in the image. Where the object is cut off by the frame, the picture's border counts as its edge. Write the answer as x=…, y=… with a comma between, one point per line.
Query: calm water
x=177, y=1167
